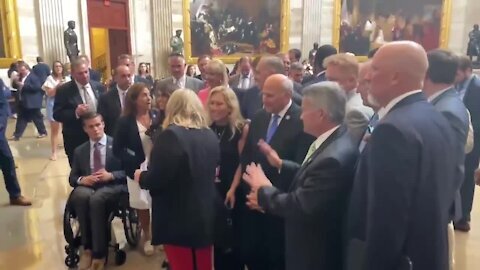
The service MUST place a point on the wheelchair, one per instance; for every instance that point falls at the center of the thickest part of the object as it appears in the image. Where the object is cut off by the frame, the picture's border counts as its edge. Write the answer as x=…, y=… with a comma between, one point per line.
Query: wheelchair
x=71, y=231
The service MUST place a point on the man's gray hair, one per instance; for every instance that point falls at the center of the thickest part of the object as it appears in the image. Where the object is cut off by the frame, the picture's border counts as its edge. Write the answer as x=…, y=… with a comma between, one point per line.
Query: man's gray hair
x=329, y=97
x=287, y=85
x=274, y=63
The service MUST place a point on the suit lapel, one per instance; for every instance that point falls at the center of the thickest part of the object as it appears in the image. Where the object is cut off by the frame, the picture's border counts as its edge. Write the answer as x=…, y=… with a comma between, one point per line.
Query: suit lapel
x=437, y=99
x=108, y=153
x=86, y=156
x=76, y=95
x=409, y=100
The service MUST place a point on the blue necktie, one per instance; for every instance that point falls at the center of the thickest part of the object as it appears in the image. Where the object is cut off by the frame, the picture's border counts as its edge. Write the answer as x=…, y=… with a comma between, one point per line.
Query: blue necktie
x=273, y=127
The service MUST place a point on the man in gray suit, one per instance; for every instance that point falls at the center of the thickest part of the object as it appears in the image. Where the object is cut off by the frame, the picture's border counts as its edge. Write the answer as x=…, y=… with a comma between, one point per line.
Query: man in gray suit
x=343, y=69
x=438, y=87
x=178, y=80
x=98, y=180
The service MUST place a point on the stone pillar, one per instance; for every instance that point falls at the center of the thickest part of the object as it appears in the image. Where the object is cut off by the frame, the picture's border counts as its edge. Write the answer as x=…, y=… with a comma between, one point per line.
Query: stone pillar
x=51, y=25
x=312, y=24
x=326, y=22
x=162, y=32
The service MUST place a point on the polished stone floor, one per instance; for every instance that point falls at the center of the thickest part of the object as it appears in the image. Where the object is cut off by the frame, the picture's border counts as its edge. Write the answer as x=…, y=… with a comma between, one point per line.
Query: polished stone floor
x=31, y=238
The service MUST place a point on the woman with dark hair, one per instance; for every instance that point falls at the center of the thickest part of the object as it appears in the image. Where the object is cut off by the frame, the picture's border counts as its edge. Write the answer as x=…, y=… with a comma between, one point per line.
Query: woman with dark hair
x=53, y=81
x=191, y=71
x=132, y=146
x=180, y=178
x=144, y=72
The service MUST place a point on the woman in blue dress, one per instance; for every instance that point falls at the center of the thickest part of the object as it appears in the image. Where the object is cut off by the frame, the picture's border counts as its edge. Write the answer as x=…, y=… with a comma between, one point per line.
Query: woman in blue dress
x=56, y=79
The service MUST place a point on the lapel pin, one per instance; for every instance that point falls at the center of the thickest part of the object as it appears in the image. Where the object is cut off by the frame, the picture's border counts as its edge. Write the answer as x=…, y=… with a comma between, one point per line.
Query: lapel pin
x=287, y=117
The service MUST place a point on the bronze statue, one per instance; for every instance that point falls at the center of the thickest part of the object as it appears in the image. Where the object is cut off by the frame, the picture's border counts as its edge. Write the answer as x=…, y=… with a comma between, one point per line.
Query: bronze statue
x=311, y=54
x=176, y=42
x=474, y=43
x=70, y=40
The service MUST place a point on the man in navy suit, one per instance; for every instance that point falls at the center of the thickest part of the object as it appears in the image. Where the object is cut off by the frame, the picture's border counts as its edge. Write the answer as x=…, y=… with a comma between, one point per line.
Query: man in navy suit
x=127, y=60
x=438, y=87
x=6, y=159
x=318, y=68
x=41, y=69
x=31, y=98
x=468, y=87
x=74, y=99
x=405, y=181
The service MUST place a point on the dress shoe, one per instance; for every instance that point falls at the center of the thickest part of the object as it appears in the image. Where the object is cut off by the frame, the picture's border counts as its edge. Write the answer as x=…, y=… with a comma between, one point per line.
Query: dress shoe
x=462, y=226
x=20, y=201
x=39, y=136
x=98, y=264
x=85, y=260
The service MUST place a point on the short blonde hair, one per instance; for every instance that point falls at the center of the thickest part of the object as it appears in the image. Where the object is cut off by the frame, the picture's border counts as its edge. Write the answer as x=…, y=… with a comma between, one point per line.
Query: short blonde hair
x=348, y=63
x=218, y=67
x=186, y=110
x=235, y=119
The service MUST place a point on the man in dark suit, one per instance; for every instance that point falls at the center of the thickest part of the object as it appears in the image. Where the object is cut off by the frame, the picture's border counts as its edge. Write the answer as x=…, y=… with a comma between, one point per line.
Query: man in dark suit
x=74, y=99
x=315, y=204
x=244, y=79
x=94, y=75
x=438, y=87
x=202, y=63
x=98, y=180
x=251, y=101
x=31, y=97
x=7, y=163
x=279, y=124
x=127, y=60
x=405, y=181
x=468, y=87
x=318, y=68
x=41, y=69
x=111, y=104
x=178, y=80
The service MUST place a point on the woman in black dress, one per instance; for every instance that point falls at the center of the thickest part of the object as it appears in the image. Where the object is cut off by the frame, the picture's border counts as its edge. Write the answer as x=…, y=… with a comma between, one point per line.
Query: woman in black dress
x=231, y=129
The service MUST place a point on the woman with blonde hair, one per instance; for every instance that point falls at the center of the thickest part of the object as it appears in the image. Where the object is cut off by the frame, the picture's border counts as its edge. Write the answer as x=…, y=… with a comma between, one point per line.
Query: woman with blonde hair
x=231, y=129
x=180, y=178
x=215, y=75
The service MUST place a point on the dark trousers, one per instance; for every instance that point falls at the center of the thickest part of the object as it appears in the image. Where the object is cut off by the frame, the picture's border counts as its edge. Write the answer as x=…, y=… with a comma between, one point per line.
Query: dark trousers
x=468, y=187
x=24, y=116
x=92, y=207
x=8, y=169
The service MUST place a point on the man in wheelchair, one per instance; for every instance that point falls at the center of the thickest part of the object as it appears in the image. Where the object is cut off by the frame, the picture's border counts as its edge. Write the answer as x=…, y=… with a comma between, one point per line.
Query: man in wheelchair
x=98, y=181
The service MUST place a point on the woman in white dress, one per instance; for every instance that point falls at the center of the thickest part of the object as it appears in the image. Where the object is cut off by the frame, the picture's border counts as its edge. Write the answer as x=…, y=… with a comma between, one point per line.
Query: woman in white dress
x=56, y=79
x=132, y=146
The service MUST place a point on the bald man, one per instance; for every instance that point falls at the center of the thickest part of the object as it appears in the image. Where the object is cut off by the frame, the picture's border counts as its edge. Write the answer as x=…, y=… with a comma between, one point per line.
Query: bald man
x=111, y=104
x=405, y=180
x=278, y=123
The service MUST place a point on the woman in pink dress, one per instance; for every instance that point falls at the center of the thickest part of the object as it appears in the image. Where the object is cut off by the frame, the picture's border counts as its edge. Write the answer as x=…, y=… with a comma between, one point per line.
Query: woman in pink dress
x=215, y=75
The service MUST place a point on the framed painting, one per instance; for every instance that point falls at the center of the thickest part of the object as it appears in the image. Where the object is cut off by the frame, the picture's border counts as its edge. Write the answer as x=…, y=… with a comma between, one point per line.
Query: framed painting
x=229, y=29
x=9, y=34
x=363, y=25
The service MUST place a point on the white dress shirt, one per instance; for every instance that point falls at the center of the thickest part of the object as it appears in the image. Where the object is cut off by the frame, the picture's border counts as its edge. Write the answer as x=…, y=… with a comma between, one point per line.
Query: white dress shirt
x=319, y=141
x=103, y=150
x=122, y=95
x=385, y=110
x=180, y=82
x=281, y=113
x=244, y=82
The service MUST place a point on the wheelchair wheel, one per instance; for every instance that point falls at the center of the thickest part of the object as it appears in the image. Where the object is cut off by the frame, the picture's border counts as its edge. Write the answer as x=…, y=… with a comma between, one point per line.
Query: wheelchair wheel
x=70, y=227
x=131, y=227
x=72, y=260
x=120, y=257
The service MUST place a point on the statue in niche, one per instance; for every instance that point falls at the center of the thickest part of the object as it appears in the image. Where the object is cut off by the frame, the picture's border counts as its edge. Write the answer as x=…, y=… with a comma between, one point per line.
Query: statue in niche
x=474, y=43
x=176, y=42
x=70, y=40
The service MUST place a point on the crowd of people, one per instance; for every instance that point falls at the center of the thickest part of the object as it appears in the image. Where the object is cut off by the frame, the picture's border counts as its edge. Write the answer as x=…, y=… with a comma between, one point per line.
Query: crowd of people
x=356, y=166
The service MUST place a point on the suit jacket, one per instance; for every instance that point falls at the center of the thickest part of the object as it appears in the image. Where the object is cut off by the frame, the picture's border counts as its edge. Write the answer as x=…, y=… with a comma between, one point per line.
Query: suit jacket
x=321, y=77
x=128, y=145
x=94, y=75
x=471, y=100
x=42, y=71
x=357, y=115
x=3, y=111
x=450, y=105
x=403, y=191
x=31, y=93
x=110, y=108
x=180, y=179
x=315, y=204
x=235, y=80
x=262, y=232
x=81, y=165
x=66, y=101
x=251, y=101
x=148, y=81
x=190, y=83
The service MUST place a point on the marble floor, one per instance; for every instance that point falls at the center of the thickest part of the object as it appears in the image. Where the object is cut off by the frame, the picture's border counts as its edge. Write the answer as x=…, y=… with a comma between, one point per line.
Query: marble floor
x=31, y=238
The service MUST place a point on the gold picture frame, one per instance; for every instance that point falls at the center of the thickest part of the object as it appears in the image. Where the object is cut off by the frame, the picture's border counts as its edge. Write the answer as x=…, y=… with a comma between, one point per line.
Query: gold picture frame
x=11, y=33
x=231, y=59
x=444, y=34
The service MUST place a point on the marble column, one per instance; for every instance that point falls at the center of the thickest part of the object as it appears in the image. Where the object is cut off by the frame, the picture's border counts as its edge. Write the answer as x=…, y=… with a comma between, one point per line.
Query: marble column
x=162, y=32
x=326, y=22
x=312, y=24
x=51, y=27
